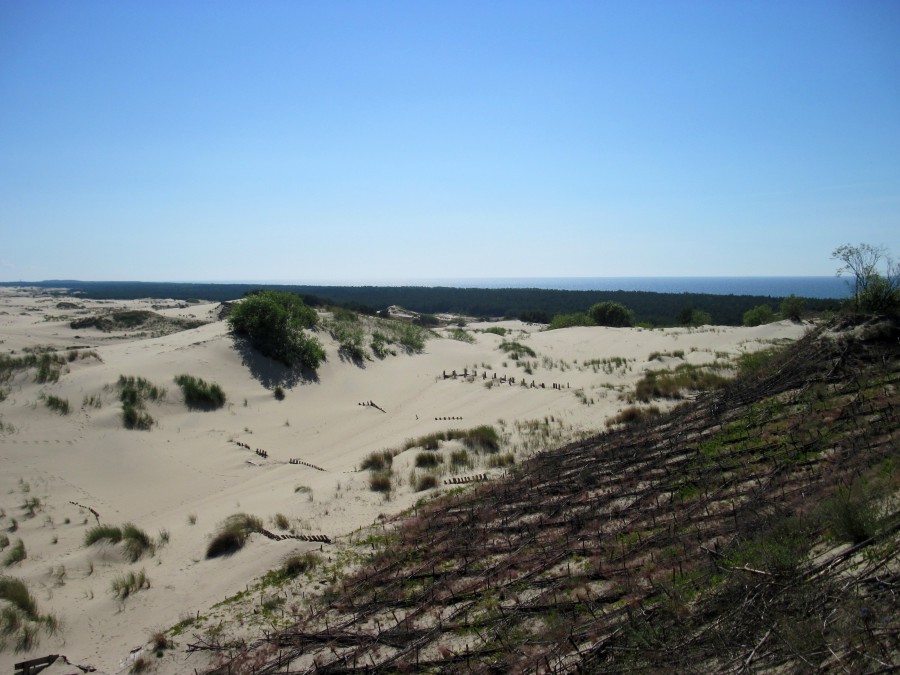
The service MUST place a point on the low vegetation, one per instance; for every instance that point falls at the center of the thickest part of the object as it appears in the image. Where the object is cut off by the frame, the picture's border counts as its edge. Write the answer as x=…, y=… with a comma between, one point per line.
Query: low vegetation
x=232, y=534
x=753, y=528
x=135, y=542
x=15, y=554
x=199, y=394
x=20, y=621
x=129, y=584
x=136, y=319
x=56, y=404
x=676, y=384
x=134, y=392
x=277, y=323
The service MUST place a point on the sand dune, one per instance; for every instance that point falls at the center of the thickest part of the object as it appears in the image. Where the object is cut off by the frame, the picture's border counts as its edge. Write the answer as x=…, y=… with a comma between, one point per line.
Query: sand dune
x=188, y=472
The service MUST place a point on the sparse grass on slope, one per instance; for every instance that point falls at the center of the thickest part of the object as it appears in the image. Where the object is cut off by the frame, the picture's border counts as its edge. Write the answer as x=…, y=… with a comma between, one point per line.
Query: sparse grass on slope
x=708, y=540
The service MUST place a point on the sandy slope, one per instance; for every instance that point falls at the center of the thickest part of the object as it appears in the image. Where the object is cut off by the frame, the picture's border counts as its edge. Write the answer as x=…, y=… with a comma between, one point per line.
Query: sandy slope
x=188, y=473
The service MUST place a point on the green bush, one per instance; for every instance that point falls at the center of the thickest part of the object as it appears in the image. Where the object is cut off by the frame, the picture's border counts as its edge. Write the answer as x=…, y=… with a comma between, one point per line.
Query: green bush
x=792, y=308
x=759, y=315
x=273, y=322
x=200, y=394
x=496, y=330
x=611, y=314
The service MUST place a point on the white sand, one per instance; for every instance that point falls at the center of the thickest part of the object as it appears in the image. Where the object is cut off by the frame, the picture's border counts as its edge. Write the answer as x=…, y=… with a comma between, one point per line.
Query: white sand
x=189, y=465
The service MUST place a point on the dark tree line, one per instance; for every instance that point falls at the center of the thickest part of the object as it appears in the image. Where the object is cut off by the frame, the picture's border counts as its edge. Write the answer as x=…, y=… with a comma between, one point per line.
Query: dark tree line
x=528, y=304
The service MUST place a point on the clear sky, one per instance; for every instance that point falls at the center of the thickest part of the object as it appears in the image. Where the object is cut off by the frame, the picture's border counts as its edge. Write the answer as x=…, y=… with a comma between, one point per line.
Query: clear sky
x=367, y=140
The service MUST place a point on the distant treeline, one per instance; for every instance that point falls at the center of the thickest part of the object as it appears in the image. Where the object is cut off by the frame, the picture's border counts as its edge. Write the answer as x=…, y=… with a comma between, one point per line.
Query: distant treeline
x=528, y=304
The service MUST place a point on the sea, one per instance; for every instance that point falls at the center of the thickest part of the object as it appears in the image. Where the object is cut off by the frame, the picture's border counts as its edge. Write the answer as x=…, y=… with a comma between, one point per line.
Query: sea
x=805, y=287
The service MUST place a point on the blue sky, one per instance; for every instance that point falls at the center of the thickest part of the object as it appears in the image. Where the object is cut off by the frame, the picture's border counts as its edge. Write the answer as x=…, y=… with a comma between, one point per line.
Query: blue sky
x=340, y=141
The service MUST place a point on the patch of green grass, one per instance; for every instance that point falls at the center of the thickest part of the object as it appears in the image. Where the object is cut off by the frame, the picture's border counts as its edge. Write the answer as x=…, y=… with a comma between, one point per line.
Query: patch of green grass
x=199, y=394
x=461, y=335
x=673, y=384
x=57, y=404
x=108, y=533
x=516, y=349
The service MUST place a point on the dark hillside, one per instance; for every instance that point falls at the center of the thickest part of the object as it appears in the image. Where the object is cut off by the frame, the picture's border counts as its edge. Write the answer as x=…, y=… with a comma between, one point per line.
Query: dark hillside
x=752, y=529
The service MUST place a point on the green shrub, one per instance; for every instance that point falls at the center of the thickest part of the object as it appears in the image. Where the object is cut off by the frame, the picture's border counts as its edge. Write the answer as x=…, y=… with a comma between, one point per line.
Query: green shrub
x=279, y=393
x=496, y=330
x=273, y=322
x=761, y=314
x=792, y=308
x=232, y=534
x=611, y=314
x=200, y=394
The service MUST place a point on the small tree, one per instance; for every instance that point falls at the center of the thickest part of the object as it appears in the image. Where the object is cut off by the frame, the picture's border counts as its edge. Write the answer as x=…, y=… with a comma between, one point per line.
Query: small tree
x=872, y=292
x=792, y=307
x=759, y=315
x=611, y=314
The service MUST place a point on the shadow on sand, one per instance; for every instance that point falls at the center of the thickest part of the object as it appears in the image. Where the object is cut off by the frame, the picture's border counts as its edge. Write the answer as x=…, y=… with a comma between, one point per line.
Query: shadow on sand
x=269, y=372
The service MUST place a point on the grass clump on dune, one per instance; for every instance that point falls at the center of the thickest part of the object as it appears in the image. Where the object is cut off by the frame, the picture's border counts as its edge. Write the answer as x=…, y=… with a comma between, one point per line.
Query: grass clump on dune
x=57, y=404
x=20, y=620
x=130, y=583
x=200, y=394
x=133, y=393
x=136, y=541
x=233, y=534
x=15, y=554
